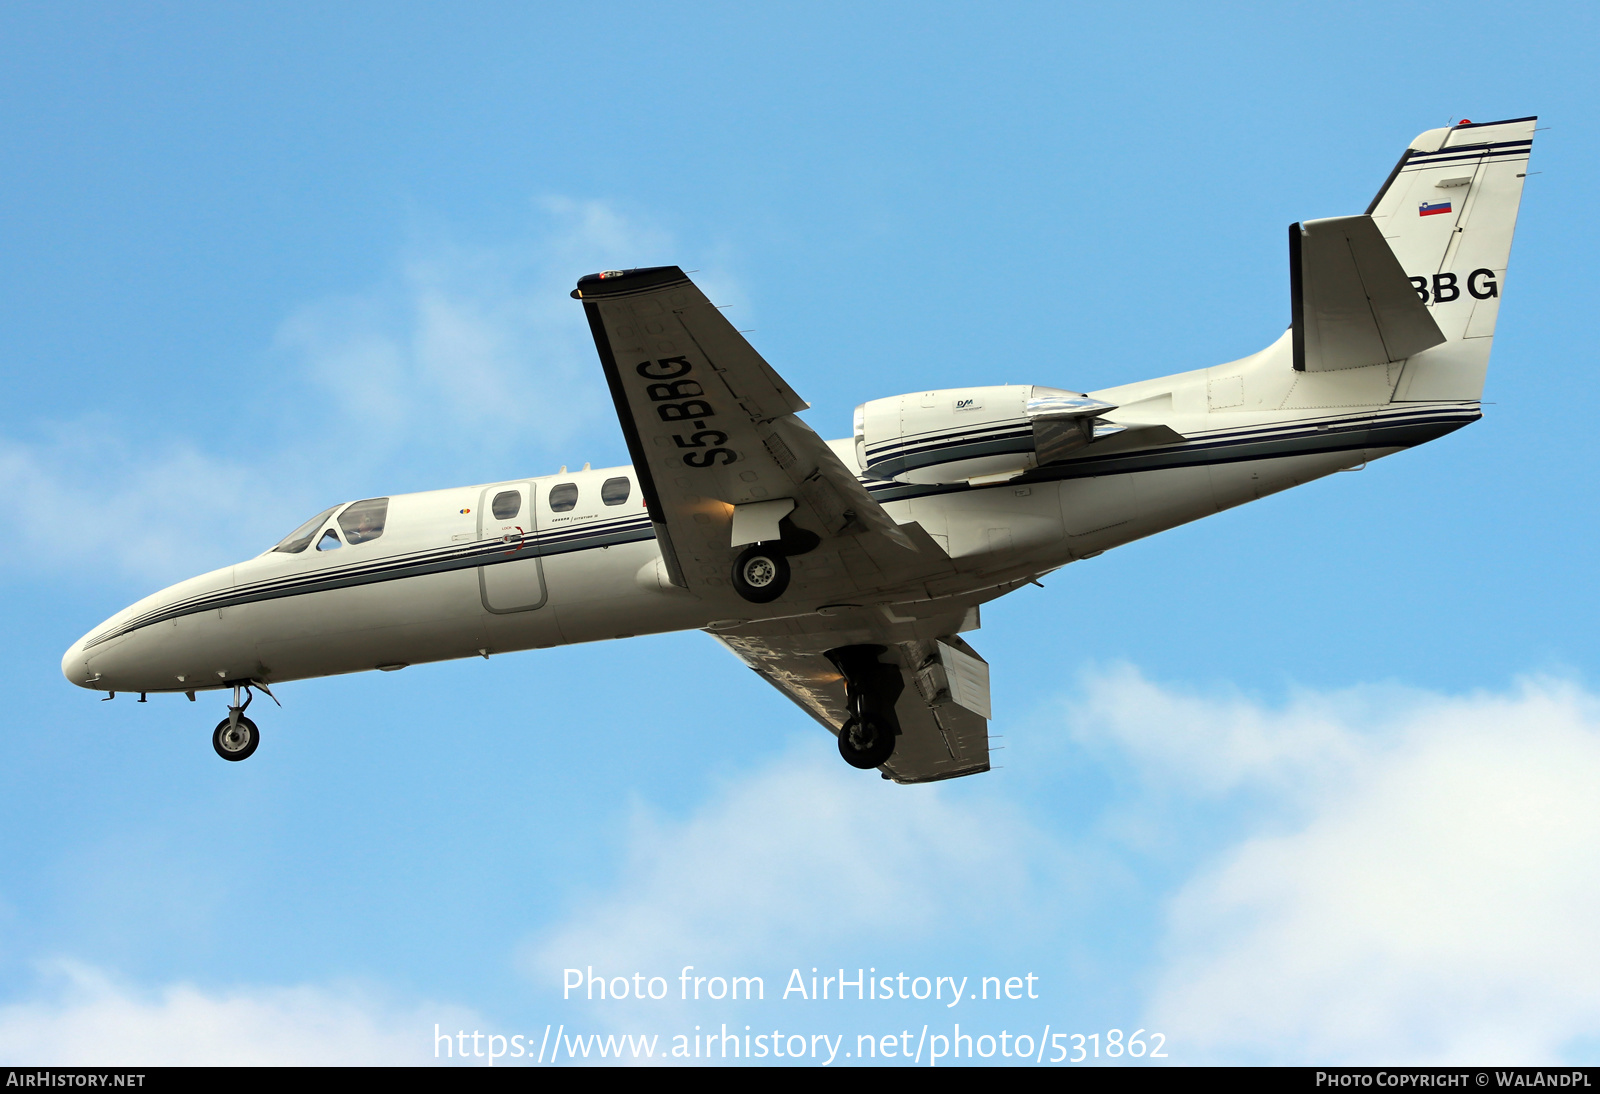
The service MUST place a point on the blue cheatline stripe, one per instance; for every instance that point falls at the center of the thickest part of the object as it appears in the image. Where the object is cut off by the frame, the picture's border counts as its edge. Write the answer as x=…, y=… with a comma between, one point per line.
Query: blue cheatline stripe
x=906, y=448
x=479, y=552
x=1457, y=153
x=1454, y=155
x=1487, y=148
x=1011, y=428
x=1466, y=161
x=964, y=431
x=1381, y=429
x=1391, y=429
x=412, y=564
x=1397, y=416
x=894, y=459
x=948, y=451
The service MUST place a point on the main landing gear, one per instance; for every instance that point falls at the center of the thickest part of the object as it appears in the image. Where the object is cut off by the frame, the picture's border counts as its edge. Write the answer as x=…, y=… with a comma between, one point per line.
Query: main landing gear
x=761, y=572
x=236, y=736
x=867, y=738
x=866, y=742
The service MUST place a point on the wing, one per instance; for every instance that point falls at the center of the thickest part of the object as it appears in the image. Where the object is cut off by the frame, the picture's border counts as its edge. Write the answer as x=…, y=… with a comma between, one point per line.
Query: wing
x=942, y=707
x=722, y=460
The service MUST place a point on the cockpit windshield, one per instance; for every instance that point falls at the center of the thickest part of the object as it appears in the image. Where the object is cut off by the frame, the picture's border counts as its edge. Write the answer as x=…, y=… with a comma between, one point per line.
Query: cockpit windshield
x=299, y=539
x=363, y=520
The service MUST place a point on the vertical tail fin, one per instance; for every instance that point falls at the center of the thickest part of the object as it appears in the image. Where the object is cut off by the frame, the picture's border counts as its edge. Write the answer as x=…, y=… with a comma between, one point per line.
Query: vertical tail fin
x=1448, y=211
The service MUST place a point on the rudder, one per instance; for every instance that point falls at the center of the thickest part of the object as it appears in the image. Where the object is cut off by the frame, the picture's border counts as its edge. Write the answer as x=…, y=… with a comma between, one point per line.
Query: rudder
x=1448, y=211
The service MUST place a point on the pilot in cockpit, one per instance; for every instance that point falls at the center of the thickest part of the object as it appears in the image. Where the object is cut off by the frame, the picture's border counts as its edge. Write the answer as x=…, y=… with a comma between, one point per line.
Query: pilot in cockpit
x=364, y=520
x=365, y=528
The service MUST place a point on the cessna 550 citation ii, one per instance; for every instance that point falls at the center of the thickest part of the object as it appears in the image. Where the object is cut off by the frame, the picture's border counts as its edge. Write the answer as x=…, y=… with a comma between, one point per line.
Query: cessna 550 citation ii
x=845, y=572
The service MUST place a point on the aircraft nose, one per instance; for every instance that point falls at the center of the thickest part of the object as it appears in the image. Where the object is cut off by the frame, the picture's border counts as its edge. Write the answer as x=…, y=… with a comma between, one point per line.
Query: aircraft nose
x=75, y=666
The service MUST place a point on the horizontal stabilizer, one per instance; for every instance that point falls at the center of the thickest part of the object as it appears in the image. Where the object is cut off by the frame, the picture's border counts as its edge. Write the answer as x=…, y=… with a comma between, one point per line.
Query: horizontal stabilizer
x=1127, y=436
x=1353, y=304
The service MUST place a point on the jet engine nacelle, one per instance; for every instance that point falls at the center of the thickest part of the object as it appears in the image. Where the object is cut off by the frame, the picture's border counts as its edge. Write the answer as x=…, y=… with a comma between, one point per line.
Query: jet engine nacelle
x=975, y=433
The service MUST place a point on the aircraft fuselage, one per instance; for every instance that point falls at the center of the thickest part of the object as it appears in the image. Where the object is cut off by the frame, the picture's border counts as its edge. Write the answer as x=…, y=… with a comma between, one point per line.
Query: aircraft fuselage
x=447, y=579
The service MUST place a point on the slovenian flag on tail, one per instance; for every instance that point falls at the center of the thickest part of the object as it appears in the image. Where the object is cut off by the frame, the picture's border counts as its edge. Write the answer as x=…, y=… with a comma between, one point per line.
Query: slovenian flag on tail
x=1426, y=210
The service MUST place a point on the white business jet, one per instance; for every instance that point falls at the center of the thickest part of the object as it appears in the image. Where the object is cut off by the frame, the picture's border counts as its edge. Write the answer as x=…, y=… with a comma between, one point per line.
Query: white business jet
x=845, y=572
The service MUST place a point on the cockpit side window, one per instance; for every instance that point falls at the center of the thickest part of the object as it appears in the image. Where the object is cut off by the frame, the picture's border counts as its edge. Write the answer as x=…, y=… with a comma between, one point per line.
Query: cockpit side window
x=362, y=521
x=329, y=541
x=299, y=539
x=506, y=504
x=563, y=497
x=615, y=491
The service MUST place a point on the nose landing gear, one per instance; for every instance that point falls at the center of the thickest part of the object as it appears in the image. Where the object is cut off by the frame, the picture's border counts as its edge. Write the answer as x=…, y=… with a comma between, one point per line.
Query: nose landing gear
x=236, y=736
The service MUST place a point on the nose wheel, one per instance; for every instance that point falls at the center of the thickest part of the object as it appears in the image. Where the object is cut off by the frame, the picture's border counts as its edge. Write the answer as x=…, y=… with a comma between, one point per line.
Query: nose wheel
x=236, y=736
x=235, y=739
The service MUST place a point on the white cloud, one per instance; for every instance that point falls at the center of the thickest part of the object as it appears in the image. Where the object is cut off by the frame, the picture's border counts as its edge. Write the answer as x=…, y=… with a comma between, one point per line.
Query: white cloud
x=1413, y=880
x=467, y=364
x=84, y=492
x=87, y=1019
x=1211, y=746
x=1374, y=875
x=474, y=346
x=805, y=856
x=1423, y=892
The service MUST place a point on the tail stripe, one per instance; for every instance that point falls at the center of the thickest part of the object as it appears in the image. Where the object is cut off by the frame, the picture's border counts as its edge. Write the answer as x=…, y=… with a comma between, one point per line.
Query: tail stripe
x=1472, y=152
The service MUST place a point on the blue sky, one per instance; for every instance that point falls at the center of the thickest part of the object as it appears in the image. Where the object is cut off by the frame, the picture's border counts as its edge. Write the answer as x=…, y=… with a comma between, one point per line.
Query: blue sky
x=1308, y=781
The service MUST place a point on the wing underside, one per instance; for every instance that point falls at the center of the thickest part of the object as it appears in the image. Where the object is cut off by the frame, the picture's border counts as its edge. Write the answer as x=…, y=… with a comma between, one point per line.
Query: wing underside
x=724, y=462
x=722, y=459
x=942, y=708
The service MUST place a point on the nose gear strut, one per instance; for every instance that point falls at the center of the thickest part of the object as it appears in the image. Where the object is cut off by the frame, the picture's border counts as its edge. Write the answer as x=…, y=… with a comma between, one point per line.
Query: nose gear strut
x=236, y=736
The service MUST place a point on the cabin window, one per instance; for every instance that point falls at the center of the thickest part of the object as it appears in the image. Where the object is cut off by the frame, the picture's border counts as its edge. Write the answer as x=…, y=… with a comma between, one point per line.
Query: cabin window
x=299, y=539
x=506, y=504
x=329, y=541
x=362, y=521
x=563, y=497
x=615, y=491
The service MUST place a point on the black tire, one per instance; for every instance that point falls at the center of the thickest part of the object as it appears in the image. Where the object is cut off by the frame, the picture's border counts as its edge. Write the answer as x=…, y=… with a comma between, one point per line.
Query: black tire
x=244, y=740
x=866, y=743
x=761, y=574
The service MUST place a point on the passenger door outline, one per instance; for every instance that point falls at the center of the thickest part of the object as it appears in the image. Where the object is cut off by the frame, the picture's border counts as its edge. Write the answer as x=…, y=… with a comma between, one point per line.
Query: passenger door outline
x=509, y=584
